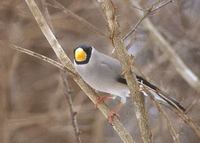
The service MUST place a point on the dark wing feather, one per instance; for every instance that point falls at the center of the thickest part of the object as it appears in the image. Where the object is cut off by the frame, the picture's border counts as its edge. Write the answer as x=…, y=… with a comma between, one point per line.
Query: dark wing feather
x=122, y=80
x=156, y=90
x=145, y=82
x=140, y=80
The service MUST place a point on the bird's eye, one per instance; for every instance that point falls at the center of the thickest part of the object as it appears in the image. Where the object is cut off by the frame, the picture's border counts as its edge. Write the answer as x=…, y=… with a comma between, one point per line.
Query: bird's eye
x=80, y=55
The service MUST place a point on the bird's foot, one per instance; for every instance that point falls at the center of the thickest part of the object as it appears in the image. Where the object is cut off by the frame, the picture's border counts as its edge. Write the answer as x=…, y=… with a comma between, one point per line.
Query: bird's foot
x=111, y=116
x=113, y=113
x=102, y=99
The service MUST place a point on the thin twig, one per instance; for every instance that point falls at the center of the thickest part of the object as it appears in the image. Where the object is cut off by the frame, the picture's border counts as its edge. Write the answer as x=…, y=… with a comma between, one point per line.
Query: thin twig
x=80, y=19
x=68, y=95
x=147, y=12
x=159, y=5
x=189, y=122
x=128, y=67
x=172, y=130
x=46, y=14
x=173, y=57
x=117, y=125
x=194, y=102
x=135, y=27
x=42, y=57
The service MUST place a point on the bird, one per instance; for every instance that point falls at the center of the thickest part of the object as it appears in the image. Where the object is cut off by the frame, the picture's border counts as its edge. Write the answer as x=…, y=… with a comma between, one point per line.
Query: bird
x=104, y=73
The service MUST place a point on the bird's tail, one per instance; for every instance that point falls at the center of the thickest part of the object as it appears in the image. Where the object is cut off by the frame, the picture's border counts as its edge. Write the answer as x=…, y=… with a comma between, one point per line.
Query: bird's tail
x=158, y=94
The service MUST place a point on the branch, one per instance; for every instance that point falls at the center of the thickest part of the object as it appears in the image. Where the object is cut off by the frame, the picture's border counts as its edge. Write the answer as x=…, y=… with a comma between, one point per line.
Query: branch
x=43, y=58
x=165, y=46
x=172, y=130
x=117, y=125
x=68, y=95
x=147, y=12
x=128, y=67
x=189, y=122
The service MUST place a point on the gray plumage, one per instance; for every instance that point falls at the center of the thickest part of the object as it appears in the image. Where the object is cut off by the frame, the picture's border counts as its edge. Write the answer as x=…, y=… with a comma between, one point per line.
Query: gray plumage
x=103, y=73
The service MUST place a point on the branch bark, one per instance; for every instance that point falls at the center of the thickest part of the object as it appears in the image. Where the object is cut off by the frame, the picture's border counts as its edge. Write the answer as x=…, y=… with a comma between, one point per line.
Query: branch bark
x=128, y=67
x=117, y=125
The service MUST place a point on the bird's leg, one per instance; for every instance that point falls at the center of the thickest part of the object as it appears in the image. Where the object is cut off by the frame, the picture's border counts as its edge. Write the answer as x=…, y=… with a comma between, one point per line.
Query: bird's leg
x=113, y=113
x=101, y=99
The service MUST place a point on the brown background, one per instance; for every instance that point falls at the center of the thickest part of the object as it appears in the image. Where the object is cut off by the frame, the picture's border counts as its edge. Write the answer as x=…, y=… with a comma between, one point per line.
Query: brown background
x=33, y=108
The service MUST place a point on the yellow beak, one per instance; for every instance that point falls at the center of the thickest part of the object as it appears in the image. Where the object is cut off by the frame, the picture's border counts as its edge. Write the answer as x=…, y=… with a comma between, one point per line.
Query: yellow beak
x=80, y=55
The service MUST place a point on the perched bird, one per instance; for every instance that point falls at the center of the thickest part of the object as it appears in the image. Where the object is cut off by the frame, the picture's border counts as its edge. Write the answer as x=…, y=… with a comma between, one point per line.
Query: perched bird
x=104, y=73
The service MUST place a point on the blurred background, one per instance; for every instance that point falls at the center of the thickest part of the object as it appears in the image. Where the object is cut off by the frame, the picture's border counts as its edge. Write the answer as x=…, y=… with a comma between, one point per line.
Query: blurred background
x=33, y=108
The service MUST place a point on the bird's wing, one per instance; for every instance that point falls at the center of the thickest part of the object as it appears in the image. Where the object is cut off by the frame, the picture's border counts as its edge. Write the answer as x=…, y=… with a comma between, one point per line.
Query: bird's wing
x=112, y=65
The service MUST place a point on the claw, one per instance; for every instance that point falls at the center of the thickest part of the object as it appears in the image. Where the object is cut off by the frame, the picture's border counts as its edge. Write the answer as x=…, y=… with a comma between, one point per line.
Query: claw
x=113, y=113
x=102, y=99
x=111, y=116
